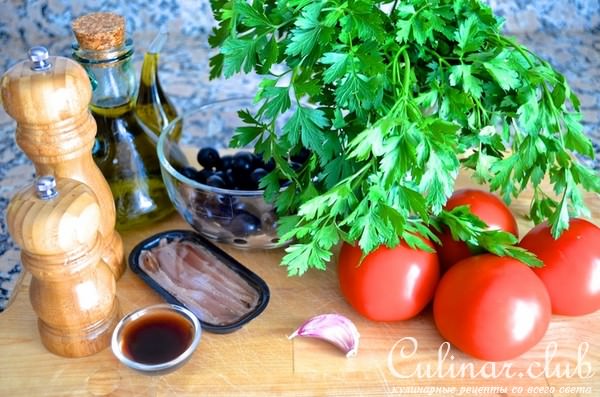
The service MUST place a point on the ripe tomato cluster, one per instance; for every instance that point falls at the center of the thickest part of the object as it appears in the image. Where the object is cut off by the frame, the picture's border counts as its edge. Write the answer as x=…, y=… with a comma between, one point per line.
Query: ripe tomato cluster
x=492, y=308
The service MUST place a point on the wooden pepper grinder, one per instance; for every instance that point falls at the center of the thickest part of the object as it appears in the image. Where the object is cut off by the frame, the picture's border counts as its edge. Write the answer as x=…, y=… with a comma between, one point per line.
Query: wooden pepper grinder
x=56, y=223
x=49, y=97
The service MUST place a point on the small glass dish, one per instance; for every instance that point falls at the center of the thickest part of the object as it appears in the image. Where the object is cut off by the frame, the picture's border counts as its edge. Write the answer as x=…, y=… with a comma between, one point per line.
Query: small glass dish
x=157, y=339
x=241, y=218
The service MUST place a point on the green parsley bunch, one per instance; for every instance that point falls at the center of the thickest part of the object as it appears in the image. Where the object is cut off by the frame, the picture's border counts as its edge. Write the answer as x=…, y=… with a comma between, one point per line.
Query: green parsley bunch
x=392, y=99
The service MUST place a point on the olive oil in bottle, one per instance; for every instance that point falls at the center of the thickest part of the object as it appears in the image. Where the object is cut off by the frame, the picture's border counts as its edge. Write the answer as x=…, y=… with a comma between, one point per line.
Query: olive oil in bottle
x=153, y=108
x=124, y=151
x=127, y=158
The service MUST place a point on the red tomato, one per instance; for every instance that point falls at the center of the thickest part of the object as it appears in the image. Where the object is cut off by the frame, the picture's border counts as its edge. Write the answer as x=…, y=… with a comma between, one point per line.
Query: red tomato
x=390, y=284
x=571, y=269
x=492, y=308
x=486, y=206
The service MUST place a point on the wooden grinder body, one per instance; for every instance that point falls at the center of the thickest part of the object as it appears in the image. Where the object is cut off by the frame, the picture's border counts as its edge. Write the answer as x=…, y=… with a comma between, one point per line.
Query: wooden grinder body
x=56, y=131
x=72, y=291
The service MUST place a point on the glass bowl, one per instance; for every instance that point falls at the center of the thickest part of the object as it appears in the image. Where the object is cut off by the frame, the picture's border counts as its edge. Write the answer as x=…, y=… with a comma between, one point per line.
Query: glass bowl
x=241, y=218
x=157, y=339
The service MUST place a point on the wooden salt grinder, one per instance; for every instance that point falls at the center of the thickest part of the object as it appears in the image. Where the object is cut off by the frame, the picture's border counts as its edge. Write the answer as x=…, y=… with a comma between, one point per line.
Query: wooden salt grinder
x=56, y=224
x=49, y=98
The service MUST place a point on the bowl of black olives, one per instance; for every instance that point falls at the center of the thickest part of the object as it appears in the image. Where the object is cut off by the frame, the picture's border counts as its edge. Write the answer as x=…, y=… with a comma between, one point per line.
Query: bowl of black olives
x=215, y=189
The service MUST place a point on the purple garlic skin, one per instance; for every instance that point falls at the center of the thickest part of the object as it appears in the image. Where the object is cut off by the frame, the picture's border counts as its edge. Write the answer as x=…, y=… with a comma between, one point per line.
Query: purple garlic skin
x=333, y=328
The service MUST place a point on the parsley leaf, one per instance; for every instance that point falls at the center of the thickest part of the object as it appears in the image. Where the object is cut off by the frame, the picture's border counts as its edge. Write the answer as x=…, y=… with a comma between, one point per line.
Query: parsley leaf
x=502, y=69
x=306, y=35
x=339, y=64
x=238, y=54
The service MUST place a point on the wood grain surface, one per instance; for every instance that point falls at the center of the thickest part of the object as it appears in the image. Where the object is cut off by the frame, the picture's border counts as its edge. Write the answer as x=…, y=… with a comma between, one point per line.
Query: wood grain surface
x=56, y=131
x=407, y=357
x=72, y=291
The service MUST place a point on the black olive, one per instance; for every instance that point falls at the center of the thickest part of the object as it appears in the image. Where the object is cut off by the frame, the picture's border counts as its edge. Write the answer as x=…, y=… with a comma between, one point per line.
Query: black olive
x=215, y=181
x=244, y=224
x=243, y=164
x=226, y=162
x=301, y=157
x=269, y=165
x=258, y=162
x=209, y=158
x=268, y=221
x=231, y=180
x=225, y=200
x=295, y=166
x=203, y=175
x=226, y=178
x=239, y=206
x=247, y=184
x=256, y=176
x=189, y=172
x=212, y=206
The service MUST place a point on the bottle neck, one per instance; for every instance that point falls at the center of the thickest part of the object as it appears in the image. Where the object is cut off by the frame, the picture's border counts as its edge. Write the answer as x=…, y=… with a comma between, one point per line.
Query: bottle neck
x=149, y=69
x=111, y=75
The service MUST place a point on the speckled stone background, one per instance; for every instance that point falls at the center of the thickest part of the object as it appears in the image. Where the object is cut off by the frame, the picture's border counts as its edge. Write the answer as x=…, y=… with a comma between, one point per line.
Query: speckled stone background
x=566, y=32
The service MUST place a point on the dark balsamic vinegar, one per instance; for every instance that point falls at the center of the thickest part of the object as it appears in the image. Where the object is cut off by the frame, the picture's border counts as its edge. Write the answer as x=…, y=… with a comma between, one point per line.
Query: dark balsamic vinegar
x=157, y=338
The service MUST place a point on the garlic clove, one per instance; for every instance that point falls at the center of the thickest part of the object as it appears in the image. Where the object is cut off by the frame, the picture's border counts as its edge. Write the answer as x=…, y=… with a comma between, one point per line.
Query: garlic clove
x=333, y=328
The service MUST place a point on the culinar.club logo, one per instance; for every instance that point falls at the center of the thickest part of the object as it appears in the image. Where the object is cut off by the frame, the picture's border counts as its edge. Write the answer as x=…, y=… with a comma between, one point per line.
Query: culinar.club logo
x=402, y=364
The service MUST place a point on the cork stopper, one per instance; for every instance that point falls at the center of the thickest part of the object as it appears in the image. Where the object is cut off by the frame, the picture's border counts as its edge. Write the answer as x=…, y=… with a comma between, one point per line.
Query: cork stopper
x=99, y=31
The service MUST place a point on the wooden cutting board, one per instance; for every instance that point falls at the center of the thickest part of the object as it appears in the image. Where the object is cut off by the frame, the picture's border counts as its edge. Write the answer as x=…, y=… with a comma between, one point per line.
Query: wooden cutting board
x=393, y=358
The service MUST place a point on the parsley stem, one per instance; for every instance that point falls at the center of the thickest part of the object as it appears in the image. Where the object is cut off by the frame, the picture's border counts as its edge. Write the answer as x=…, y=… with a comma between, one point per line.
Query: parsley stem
x=482, y=109
x=506, y=41
x=554, y=113
x=248, y=33
x=439, y=57
x=280, y=75
x=406, y=81
x=393, y=7
x=396, y=68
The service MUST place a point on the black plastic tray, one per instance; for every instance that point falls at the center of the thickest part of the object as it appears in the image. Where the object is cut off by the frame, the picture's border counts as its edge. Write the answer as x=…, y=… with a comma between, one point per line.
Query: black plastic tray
x=187, y=235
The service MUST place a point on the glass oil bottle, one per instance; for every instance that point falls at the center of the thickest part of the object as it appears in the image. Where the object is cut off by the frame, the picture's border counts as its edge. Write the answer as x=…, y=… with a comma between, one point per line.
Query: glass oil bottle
x=153, y=108
x=123, y=150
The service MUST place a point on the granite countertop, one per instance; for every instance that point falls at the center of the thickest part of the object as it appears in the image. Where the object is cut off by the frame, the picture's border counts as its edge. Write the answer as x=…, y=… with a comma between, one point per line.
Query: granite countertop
x=184, y=76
